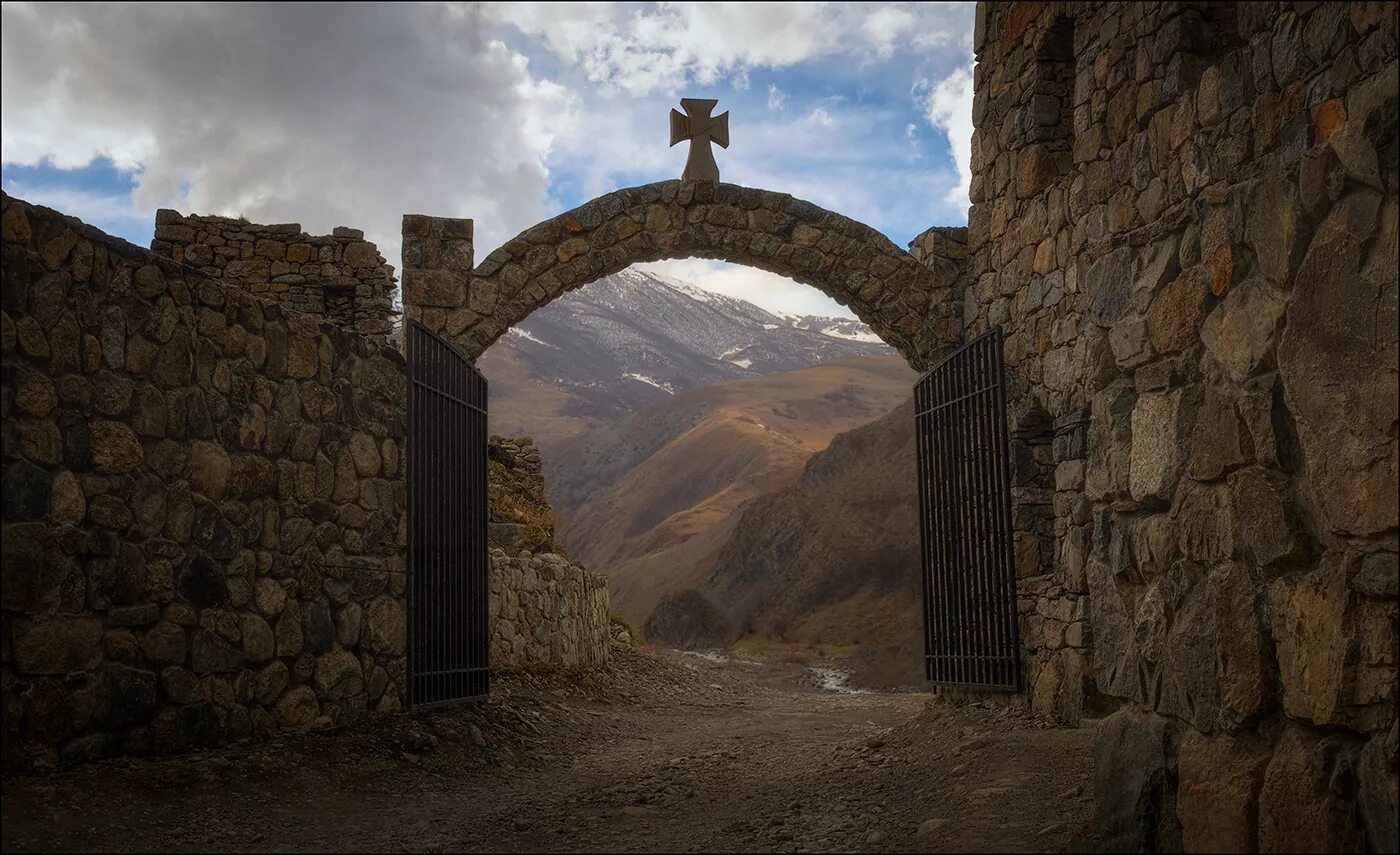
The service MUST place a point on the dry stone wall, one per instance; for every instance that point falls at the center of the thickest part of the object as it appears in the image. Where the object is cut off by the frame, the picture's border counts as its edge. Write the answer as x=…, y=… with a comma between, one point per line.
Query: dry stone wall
x=340, y=277
x=908, y=304
x=203, y=505
x=1184, y=217
x=547, y=614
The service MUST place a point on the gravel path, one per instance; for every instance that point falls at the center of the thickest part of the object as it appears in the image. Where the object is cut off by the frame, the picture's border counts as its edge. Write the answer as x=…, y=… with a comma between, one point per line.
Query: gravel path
x=665, y=752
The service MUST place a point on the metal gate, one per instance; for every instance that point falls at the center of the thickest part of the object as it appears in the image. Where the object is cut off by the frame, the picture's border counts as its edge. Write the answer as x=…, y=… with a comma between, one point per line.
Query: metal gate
x=971, y=637
x=448, y=640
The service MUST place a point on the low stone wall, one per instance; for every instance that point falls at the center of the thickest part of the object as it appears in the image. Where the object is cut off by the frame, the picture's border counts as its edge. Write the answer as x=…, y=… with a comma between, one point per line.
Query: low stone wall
x=203, y=504
x=340, y=277
x=547, y=614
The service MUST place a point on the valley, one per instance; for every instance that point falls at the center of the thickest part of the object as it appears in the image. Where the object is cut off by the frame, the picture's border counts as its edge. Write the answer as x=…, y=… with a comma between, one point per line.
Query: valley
x=740, y=477
x=635, y=338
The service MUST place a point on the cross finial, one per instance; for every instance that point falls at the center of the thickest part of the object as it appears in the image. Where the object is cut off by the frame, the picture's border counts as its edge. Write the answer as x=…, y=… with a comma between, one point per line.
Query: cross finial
x=698, y=126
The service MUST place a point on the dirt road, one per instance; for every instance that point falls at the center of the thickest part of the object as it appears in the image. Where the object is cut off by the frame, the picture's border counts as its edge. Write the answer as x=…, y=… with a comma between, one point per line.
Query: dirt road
x=665, y=752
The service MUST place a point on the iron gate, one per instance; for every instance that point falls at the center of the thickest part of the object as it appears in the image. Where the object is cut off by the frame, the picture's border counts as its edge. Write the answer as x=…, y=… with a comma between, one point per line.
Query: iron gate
x=448, y=640
x=971, y=637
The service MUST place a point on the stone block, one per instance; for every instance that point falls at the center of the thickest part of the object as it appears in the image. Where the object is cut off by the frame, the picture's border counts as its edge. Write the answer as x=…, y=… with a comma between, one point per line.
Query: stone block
x=1304, y=802
x=1176, y=313
x=1218, y=792
x=1246, y=672
x=1376, y=792
x=1335, y=650
x=1217, y=438
x=1266, y=530
x=1341, y=387
x=1160, y=425
x=1134, y=797
x=58, y=645
x=1240, y=332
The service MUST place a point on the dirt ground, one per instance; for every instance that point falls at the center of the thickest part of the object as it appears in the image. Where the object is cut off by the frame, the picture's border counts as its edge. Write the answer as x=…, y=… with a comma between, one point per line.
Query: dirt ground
x=665, y=751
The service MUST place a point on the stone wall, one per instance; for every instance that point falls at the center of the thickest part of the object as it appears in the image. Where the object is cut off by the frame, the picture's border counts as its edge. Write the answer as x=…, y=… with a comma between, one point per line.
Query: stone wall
x=340, y=277
x=546, y=613
x=203, y=504
x=1184, y=217
x=520, y=514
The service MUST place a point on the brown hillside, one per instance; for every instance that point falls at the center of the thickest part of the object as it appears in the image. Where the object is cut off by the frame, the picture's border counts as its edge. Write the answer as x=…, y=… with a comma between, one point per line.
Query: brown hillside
x=649, y=502
x=831, y=559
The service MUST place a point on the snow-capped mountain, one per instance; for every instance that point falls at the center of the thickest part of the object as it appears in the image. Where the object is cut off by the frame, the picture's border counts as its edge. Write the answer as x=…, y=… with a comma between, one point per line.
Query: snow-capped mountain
x=632, y=338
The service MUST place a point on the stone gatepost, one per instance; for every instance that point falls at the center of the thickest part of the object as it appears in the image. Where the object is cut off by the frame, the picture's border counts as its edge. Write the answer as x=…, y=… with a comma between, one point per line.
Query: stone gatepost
x=438, y=256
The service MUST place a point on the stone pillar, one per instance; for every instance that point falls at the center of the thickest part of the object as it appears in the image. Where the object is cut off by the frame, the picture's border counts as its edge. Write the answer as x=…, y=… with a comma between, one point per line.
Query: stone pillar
x=438, y=257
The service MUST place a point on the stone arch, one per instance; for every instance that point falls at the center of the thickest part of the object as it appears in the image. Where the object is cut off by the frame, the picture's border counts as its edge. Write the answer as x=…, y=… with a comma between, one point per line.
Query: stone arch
x=908, y=303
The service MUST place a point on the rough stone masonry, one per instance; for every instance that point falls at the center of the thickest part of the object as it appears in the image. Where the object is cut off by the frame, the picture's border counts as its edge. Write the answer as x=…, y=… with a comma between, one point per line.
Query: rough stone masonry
x=340, y=277
x=203, y=502
x=1184, y=217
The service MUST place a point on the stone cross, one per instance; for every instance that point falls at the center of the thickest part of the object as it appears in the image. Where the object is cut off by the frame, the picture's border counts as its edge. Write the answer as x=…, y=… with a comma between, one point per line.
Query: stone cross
x=698, y=126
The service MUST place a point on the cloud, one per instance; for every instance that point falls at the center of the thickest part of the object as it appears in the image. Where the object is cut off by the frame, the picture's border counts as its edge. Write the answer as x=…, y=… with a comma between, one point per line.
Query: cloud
x=642, y=50
x=503, y=113
x=287, y=112
x=949, y=108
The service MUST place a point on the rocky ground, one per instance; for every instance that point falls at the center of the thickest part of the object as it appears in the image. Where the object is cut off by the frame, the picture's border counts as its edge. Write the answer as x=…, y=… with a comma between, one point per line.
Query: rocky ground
x=663, y=751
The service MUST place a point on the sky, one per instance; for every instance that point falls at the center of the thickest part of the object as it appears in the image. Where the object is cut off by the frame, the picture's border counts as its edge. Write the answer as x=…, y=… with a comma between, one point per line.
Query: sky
x=505, y=113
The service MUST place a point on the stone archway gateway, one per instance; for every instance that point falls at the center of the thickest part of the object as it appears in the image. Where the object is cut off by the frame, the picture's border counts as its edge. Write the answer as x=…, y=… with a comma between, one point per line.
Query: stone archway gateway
x=969, y=613
x=906, y=302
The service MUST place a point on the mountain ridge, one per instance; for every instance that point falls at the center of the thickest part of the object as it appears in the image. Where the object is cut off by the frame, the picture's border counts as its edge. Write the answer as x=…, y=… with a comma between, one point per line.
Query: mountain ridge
x=634, y=338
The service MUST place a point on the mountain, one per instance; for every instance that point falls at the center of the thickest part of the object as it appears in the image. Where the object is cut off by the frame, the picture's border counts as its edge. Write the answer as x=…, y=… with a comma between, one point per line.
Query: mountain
x=634, y=338
x=652, y=500
x=831, y=559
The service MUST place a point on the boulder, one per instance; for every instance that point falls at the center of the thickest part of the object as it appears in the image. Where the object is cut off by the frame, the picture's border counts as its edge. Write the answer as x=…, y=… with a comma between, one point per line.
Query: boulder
x=1240, y=332
x=115, y=448
x=131, y=693
x=385, y=626
x=1338, y=361
x=1134, y=792
x=297, y=708
x=338, y=675
x=58, y=645
x=258, y=642
x=1161, y=423
x=1217, y=796
x=1304, y=803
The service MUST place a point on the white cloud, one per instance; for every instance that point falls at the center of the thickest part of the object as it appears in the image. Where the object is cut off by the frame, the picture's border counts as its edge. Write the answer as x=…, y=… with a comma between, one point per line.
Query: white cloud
x=949, y=108
x=288, y=112
x=659, y=49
